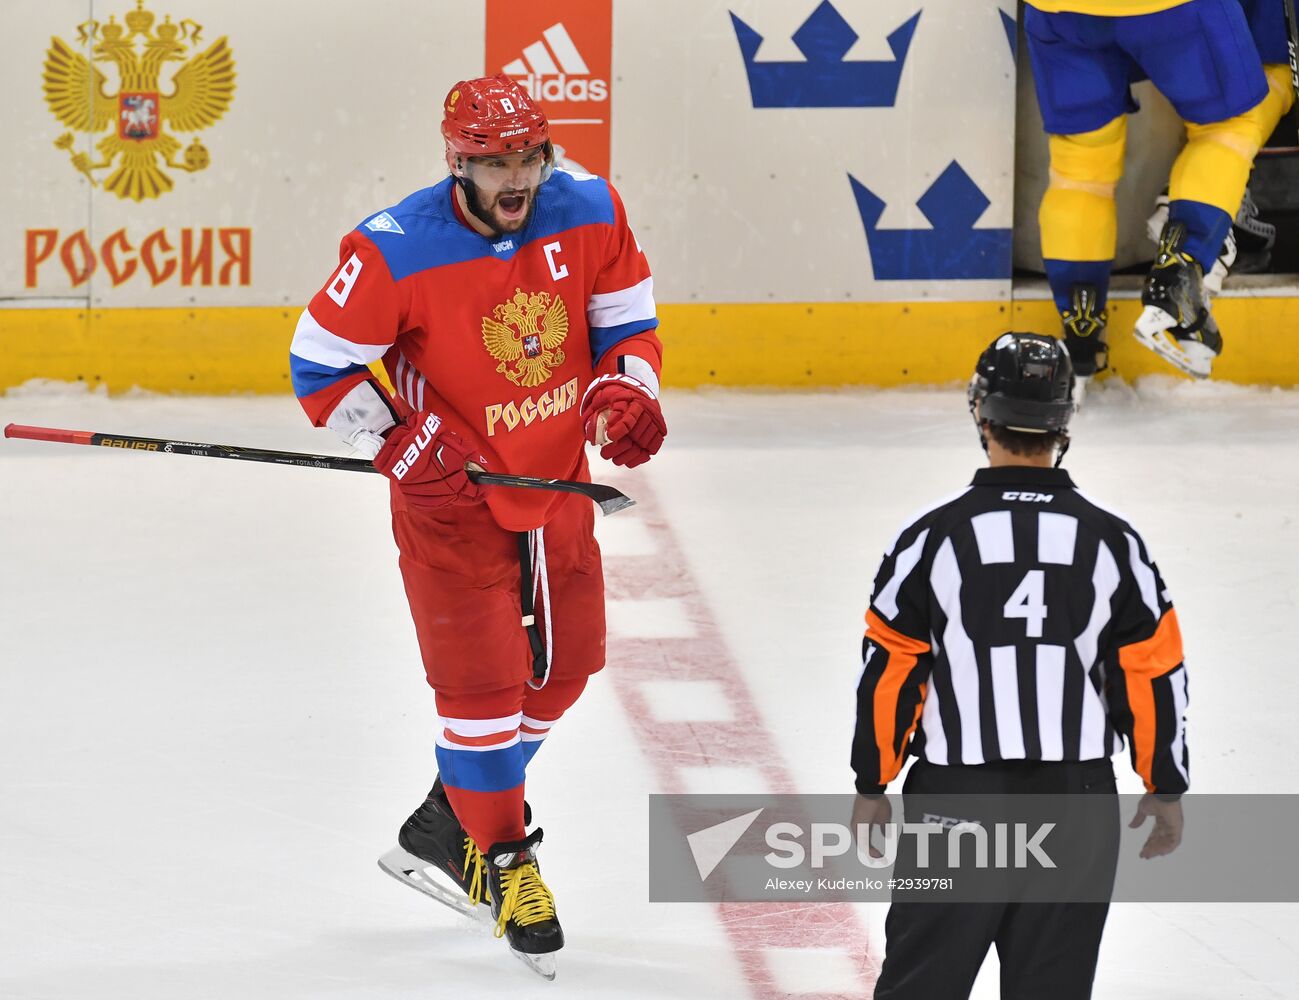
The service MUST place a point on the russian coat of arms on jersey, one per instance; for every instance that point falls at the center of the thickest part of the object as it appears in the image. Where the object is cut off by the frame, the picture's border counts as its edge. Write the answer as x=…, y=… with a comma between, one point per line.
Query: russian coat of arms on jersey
x=525, y=336
x=153, y=93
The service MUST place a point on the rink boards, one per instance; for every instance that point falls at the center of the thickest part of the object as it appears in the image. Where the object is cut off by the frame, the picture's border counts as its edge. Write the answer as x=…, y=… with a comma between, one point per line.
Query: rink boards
x=804, y=345
x=825, y=189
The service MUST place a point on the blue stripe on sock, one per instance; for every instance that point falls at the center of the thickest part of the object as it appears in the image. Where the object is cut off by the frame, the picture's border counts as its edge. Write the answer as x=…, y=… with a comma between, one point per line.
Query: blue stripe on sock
x=1064, y=274
x=482, y=770
x=530, y=750
x=1206, y=228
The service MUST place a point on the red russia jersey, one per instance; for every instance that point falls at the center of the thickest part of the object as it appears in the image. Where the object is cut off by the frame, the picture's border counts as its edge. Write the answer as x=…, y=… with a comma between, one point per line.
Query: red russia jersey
x=500, y=337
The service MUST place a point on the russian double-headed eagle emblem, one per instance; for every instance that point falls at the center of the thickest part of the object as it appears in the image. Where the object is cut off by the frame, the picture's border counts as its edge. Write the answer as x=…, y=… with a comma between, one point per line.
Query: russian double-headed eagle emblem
x=526, y=334
x=138, y=147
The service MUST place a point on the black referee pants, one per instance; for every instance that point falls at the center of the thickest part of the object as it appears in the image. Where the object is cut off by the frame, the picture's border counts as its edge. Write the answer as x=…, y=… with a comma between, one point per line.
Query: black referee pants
x=1048, y=951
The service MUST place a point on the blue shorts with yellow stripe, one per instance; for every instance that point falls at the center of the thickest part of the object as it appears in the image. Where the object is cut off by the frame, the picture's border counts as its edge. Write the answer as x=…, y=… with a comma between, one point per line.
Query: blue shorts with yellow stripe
x=1201, y=55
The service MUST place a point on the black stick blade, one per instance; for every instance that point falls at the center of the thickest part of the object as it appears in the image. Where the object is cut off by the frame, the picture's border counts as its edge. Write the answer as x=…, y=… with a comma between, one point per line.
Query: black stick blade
x=609, y=500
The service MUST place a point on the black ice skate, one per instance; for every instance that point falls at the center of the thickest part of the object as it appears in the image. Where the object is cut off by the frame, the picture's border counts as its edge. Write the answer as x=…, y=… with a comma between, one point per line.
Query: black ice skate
x=436, y=856
x=522, y=904
x=1176, y=323
x=1084, y=332
x=1228, y=260
x=1251, y=237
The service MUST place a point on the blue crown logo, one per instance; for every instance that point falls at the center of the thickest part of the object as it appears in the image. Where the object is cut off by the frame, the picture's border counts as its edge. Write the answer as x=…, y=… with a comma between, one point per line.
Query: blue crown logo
x=825, y=80
x=953, y=248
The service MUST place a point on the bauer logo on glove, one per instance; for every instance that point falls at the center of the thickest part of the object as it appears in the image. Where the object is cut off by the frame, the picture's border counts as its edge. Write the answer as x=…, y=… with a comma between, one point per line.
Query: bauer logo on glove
x=428, y=463
x=416, y=447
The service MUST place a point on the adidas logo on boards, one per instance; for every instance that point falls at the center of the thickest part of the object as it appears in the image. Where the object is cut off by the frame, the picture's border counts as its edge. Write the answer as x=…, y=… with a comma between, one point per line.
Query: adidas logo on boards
x=552, y=69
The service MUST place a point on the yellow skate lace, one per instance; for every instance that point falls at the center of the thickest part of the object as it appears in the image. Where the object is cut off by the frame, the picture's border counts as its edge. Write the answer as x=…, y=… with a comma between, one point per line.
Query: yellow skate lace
x=525, y=898
x=474, y=863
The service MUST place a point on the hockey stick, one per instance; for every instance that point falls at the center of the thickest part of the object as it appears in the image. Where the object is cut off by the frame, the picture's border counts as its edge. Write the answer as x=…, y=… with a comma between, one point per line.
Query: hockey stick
x=609, y=500
x=1292, y=44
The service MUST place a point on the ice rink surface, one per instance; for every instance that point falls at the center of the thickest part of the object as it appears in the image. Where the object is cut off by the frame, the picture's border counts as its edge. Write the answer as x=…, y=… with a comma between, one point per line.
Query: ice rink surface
x=213, y=718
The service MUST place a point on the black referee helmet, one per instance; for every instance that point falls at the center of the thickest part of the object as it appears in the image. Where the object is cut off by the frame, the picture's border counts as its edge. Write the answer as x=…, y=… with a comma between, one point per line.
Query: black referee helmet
x=1024, y=382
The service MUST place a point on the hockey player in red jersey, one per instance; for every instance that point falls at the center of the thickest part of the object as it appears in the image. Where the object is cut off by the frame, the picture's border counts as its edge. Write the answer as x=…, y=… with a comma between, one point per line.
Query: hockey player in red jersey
x=513, y=311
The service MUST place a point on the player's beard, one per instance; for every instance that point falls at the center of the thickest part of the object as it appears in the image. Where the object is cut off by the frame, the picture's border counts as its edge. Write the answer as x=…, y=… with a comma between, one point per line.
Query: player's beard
x=488, y=215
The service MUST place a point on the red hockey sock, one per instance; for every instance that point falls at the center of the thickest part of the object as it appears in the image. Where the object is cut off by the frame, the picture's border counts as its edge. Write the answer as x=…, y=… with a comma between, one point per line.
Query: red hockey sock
x=481, y=760
x=489, y=817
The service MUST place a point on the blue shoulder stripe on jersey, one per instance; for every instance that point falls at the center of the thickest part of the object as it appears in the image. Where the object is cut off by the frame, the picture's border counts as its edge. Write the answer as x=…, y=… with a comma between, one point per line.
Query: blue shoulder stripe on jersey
x=310, y=376
x=605, y=337
x=566, y=202
x=481, y=770
x=431, y=235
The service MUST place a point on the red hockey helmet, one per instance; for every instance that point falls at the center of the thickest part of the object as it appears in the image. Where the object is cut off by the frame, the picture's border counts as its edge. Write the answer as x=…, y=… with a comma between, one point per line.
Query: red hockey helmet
x=492, y=115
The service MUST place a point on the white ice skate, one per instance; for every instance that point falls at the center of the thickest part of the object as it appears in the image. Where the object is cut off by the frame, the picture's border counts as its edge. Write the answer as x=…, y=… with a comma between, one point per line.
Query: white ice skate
x=1154, y=330
x=1177, y=322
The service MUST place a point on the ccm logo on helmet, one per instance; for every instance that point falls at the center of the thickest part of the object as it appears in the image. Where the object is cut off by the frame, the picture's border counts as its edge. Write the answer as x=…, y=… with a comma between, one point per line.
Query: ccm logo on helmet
x=416, y=447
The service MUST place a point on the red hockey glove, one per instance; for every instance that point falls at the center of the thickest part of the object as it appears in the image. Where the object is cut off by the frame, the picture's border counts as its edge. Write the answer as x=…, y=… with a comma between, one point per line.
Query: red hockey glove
x=634, y=428
x=427, y=462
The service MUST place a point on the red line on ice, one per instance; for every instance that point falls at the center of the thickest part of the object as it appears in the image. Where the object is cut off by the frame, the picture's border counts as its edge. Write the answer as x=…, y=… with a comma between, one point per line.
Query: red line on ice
x=752, y=928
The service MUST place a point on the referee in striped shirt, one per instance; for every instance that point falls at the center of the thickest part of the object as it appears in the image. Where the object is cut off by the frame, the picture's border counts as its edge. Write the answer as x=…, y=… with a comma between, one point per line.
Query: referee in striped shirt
x=1018, y=633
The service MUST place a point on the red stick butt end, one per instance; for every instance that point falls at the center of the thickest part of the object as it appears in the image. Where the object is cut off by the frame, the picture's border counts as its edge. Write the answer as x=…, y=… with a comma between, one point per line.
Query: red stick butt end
x=47, y=434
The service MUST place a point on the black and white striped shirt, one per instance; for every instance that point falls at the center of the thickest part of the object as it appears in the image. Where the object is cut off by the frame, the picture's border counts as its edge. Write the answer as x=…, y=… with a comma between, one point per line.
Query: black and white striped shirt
x=1019, y=619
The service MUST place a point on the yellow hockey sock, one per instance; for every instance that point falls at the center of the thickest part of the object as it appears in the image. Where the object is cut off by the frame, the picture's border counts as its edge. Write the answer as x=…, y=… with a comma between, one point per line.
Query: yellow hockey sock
x=1214, y=167
x=1077, y=216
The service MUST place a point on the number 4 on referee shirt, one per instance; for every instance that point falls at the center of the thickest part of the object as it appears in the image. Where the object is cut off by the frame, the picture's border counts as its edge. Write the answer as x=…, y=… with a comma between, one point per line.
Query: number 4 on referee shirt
x=1027, y=602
